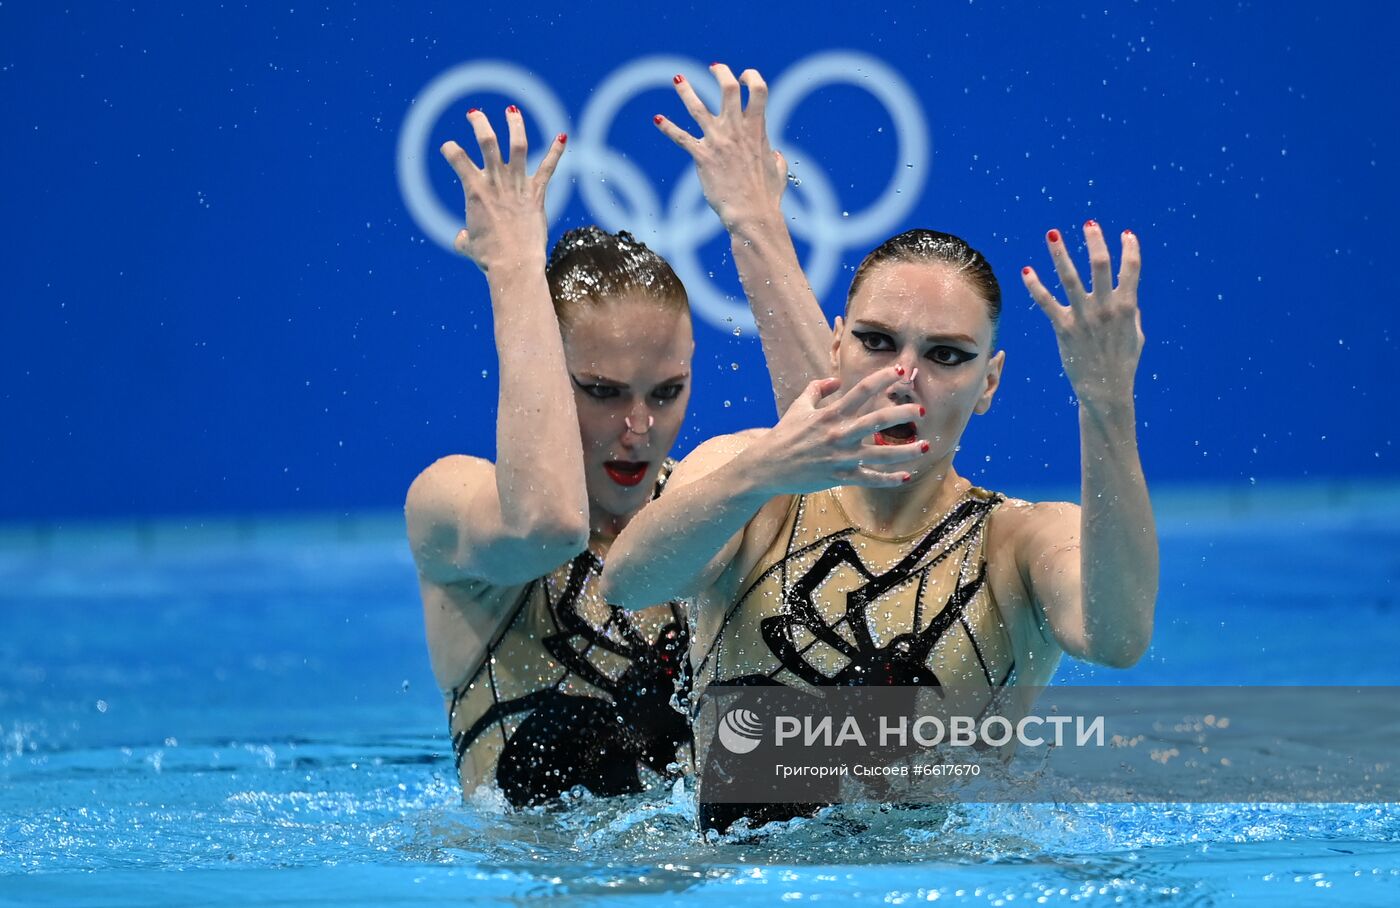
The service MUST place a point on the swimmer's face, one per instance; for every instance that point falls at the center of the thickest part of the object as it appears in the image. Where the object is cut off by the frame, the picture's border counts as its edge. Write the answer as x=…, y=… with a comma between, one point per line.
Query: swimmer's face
x=629, y=359
x=925, y=316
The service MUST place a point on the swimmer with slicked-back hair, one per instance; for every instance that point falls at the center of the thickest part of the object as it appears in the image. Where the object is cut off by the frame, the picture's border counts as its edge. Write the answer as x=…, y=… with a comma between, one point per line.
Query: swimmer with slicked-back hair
x=547, y=686
x=841, y=546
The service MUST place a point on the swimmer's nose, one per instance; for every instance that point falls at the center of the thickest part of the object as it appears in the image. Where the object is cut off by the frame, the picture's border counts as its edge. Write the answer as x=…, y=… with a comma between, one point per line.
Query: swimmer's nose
x=902, y=392
x=637, y=426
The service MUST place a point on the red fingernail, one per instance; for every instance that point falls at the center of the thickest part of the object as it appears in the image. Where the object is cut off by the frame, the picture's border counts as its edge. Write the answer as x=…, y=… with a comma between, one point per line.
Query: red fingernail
x=1127, y=233
x=472, y=111
x=563, y=137
x=679, y=79
x=1026, y=270
x=923, y=446
x=713, y=65
x=1090, y=223
x=906, y=478
x=921, y=411
x=512, y=109
x=657, y=119
x=1053, y=236
x=898, y=370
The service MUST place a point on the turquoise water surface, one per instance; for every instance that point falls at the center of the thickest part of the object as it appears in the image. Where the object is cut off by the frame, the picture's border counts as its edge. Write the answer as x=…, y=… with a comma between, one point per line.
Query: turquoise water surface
x=242, y=714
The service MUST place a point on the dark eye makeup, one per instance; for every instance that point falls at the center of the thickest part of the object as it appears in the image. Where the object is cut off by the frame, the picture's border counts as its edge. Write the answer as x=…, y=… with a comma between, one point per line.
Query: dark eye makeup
x=595, y=390
x=874, y=341
x=599, y=391
x=949, y=356
x=942, y=354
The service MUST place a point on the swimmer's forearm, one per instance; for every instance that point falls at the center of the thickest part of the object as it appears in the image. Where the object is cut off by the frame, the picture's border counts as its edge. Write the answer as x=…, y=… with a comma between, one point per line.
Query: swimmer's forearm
x=539, y=457
x=794, y=331
x=671, y=548
x=1118, y=554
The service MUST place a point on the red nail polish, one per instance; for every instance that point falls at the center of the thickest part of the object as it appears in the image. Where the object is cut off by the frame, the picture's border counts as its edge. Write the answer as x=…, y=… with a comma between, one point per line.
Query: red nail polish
x=898, y=370
x=713, y=65
x=1053, y=236
x=679, y=79
x=921, y=411
x=512, y=109
x=1128, y=233
x=1090, y=223
x=906, y=478
x=657, y=119
x=1026, y=270
x=923, y=446
x=472, y=111
x=563, y=137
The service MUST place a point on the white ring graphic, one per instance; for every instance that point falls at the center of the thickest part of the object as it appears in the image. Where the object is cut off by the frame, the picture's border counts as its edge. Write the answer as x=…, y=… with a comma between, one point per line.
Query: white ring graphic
x=912, y=154
x=620, y=196
x=433, y=217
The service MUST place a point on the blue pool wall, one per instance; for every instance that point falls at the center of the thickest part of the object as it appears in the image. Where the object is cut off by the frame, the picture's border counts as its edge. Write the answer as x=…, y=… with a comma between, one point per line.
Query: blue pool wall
x=219, y=299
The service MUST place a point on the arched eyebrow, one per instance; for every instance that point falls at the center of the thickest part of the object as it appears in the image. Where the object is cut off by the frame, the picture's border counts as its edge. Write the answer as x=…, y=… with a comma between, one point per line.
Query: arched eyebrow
x=871, y=324
x=593, y=379
x=588, y=378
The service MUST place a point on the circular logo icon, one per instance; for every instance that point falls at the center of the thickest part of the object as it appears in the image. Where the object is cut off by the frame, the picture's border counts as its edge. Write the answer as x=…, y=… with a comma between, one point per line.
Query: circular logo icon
x=620, y=195
x=740, y=731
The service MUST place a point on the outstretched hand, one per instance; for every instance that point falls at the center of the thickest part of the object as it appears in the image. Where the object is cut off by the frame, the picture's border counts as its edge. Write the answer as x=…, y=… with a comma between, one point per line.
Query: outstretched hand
x=819, y=442
x=505, y=215
x=739, y=171
x=1100, y=332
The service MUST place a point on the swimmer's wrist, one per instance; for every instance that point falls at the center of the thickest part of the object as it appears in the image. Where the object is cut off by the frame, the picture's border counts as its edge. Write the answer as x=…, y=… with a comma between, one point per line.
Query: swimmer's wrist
x=753, y=476
x=505, y=271
x=753, y=220
x=1109, y=410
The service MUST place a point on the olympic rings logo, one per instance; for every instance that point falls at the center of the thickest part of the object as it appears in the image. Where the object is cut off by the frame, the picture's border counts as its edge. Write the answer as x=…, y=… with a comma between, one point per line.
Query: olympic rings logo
x=620, y=196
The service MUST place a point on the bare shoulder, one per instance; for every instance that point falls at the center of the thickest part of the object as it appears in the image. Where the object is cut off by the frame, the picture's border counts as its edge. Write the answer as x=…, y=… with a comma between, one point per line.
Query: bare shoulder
x=1018, y=527
x=1025, y=540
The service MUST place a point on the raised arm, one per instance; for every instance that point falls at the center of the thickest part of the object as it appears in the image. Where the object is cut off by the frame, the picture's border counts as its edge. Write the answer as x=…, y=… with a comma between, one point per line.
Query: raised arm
x=1099, y=595
x=516, y=519
x=679, y=544
x=743, y=179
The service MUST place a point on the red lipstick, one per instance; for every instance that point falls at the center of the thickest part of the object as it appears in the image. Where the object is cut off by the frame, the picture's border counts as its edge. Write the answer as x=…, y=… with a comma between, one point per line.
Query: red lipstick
x=626, y=472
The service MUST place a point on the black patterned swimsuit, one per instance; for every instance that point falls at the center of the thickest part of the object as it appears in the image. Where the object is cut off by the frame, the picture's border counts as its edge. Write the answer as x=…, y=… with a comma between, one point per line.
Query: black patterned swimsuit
x=574, y=692
x=830, y=605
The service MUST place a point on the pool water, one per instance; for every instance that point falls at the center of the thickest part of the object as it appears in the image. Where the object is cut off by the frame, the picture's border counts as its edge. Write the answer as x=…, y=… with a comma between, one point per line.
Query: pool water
x=242, y=713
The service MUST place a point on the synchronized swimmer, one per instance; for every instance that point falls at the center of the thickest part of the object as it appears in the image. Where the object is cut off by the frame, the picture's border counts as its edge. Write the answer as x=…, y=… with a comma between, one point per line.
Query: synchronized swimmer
x=838, y=547
x=547, y=685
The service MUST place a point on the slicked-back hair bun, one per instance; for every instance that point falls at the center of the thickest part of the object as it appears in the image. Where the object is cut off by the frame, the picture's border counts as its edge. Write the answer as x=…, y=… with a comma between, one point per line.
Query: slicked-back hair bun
x=589, y=266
